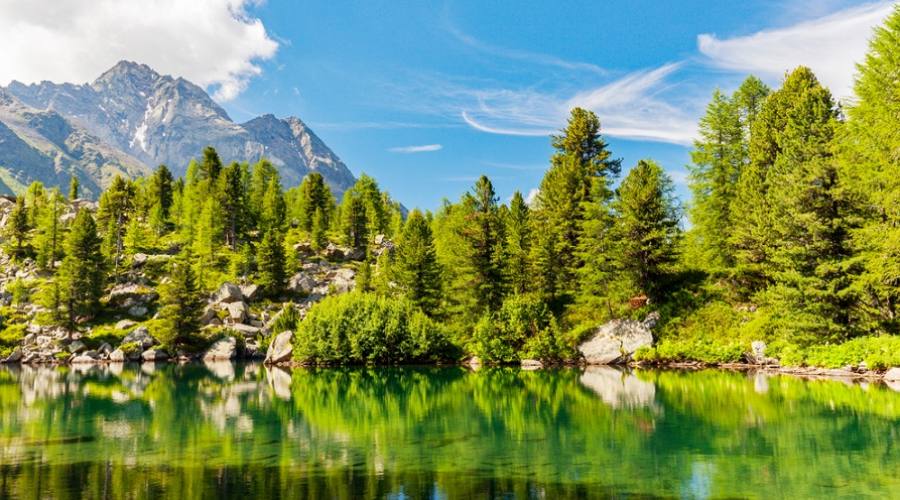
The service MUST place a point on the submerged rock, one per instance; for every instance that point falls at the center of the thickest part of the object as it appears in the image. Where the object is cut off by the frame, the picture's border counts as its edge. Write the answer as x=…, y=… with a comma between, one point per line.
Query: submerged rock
x=616, y=342
x=281, y=348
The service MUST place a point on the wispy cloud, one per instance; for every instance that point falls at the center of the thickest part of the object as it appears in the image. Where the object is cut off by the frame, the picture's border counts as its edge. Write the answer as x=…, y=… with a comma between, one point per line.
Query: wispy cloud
x=514, y=166
x=830, y=45
x=425, y=148
x=632, y=106
x=520, y=55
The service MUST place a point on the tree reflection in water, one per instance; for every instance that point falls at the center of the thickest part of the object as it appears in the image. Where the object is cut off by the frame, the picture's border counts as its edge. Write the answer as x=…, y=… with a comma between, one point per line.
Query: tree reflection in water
x=242, y=430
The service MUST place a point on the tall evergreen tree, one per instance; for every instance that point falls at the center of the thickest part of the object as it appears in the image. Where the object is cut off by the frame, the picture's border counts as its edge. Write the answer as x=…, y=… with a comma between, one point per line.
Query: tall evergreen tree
x=870, y=163
x=273, y=207
x=180, y=302
x=415, y=269
x=518, y=245
x=211, y=165
x=483, y=236
x=270, y=263
x=115, y=208
x=647, y=227
x=82, y=275
x=16, y=230
x=74, y=188
x=233, y=203
x=48, y=241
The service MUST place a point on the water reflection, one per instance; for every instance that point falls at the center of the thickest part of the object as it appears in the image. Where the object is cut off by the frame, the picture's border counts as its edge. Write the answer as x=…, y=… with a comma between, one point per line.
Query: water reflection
x=237, y=430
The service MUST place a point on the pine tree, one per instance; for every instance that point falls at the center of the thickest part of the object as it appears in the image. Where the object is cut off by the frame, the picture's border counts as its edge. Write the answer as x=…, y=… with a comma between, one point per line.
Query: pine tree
x=260, y=178
x=135, y=237
x=581, y=155
x=233, y=203
x=48, y=241
x=35, y=199
x=116, y=206
x=484, y=237
x=208, y=236
x=318, y=237
x=647, y=227
x=82, y=275
x=181, y=304
x=313, y=196
x=354, y=220
x=597, y=249
x=518, y=245
x=74, y=187
x=415, y=269
x=870, y=164
x=270, y=263
x=211, y=165
x=161, y=190
x=16, y=230
x=809, y=244
x=273, y=207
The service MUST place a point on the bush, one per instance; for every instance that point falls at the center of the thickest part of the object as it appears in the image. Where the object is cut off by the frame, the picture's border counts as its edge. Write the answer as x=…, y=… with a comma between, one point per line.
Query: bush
x=523, y=328
x=878, y=352
x=359, y=327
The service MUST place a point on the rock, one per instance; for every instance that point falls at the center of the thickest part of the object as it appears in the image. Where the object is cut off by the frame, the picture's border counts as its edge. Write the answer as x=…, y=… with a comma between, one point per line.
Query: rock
x=245, y=330
x=304, y=248
x=758, y=352
x=117, y=356
x=618, y=389
x=332, y=252
x=892, y=375
x=380, y=239
x=222, y=349
x=105, y=349
x=154, y=355
x=209, y=317
x=125, y=324
x=140, y=336
x=343, y=280
x=249, y=292
x=651, y=320
x=137, y=311
x=301, y=283
x=615, y=342
x=139, y=259
x=281, y=348
x=76, y=347
x=82, y=358
x=227, y=293
x=531, y=364
x=237, y=311
x=14, y=357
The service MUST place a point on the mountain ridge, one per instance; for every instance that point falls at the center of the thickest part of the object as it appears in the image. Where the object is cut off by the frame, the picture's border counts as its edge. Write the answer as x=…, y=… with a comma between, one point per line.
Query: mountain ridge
x=131, y=119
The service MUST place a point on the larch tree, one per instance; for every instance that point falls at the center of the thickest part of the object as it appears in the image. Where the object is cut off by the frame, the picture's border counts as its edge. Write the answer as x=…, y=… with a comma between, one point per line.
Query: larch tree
x=415, y=269
x=82, y=275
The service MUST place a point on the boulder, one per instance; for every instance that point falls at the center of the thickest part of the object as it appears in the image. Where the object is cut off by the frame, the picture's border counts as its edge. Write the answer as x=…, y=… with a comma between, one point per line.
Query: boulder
x=237, y=311
x=892, y=375
x=227, y=293
x=301, y=283
x=304, y=248
x=222, y=349
x=332, y=252
x=105, y=349
x=140, y=336
x=615, y=342
x=125, y=324
x=249, y=292
x=76, y=347
x=154, y=355
x=138, y=311
x=117, y=356
x=531, y=364
x=281, y=348
x=209, y=317
x=757, y=352
x=87, y=357
x=14, y=357
x=139, y=259
x=245, y=330
x=343, y=280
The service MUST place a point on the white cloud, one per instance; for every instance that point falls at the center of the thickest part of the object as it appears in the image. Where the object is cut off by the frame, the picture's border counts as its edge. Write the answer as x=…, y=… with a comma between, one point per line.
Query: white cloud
x=829, y=45
x=214, y=43
x=531, y=197
x=629, y=107
x=425, y=148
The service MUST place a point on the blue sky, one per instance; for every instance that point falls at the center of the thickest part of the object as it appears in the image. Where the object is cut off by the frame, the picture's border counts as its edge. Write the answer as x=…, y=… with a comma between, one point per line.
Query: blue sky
x=427, y=95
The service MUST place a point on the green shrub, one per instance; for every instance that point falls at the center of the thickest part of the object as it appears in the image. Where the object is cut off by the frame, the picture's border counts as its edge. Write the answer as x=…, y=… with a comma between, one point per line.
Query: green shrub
x=12, y=335
x=521, y=320
x=878, y=352
x=358, y=327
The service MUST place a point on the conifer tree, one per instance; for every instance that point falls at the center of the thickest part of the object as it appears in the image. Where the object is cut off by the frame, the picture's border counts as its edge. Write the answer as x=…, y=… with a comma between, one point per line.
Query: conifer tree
x=273, y=207
x=74, y=188
x=518, y=245
x=48, y=241
x=270, y=263
x=135, y=237
x=208, y=235
x=581, y=155
x=597, y=250
x=870, y=164
x=415, y=269
x=314, y=196
x=647, y=227
x=180, y=302
x=260, y=178
x=82, y=275
x=211, y=165
x=35, y=199
x=116, y=206
x=161, y=190
x=318, y=237
x=233, y=203
x=484, y=236
x=16, y=230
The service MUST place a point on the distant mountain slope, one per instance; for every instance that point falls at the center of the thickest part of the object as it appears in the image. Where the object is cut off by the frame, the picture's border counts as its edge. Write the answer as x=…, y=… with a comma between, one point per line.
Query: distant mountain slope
x=131, y=119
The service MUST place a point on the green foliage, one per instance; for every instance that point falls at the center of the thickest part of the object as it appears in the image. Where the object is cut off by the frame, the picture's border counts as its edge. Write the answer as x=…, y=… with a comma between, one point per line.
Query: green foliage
x=180, y=305
x=415, y=269
x=82, y=275
x=16, y=229
x=74, y=186
x=270, y=264
x=357, y=328
x=522, y=328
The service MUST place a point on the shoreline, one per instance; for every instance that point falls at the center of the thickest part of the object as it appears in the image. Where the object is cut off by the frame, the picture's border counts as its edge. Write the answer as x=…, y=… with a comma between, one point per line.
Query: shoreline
x=805, y=372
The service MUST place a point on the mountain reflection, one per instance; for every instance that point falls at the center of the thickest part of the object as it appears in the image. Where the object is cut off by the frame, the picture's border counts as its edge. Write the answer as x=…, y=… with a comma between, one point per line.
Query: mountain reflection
x=244, y=430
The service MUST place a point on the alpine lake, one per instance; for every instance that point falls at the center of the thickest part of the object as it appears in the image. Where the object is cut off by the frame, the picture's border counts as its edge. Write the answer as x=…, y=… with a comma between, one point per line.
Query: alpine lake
x=233, y=430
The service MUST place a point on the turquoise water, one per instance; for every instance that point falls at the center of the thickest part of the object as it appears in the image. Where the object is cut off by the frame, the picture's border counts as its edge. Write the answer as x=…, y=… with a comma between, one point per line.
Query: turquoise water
x=246, y=431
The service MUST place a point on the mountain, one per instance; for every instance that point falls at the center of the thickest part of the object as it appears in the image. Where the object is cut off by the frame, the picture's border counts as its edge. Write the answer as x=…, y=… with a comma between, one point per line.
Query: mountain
x=131, y=119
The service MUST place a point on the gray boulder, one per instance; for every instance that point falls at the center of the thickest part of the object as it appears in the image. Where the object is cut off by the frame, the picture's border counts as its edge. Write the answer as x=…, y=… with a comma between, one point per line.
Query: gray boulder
x=154, y=355
x=227, y=293
x=125, y=324
x=301, y=283
x=616, y=342
x=140, y=336
x=76, y=347
x=237, y=311
x=892, y=375
x=117, y=356
x=249, y=291
x=281, y=348
x=221, y=350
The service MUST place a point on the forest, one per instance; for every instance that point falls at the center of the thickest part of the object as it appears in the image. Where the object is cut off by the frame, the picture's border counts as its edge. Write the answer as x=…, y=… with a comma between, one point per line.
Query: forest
x=791, y=236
